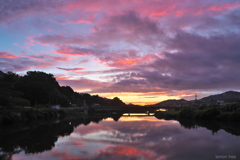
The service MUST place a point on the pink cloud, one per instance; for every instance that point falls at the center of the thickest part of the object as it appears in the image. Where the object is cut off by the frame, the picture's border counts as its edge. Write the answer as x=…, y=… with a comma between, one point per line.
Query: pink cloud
x=156, y=15
x=83, y=61
x=63, y=155
x=75, y=143
x=93, y=128
x=11, y=62
x=61, y=39
x=146, y=8
x=77, y=70
x=136, y=24
x=77, y=17
x=63, y=77
x=224, y=6
x=30, y=40
x=179, y=13
x=122, y=60
x=217, y=8
x=22, y=46
x=85, y=5
x=49, y=57
x=7, y=55
x=67, y=50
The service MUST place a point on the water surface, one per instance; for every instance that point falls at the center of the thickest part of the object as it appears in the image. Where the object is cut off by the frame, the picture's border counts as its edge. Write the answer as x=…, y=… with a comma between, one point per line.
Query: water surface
x=128, y=138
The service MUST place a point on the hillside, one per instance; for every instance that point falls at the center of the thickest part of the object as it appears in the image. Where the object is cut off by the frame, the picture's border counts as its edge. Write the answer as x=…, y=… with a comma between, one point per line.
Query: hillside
x=229, y=96
x=172, y=102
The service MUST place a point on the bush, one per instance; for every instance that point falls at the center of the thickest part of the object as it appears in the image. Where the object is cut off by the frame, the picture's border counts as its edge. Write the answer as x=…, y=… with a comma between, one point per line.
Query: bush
x=16, y=101
x=211, y=113
x=187, y=112
x=234, y=116
x=231, y=108
x=62, y=113
x=202, y=107
x=31, y=114
x=223, y=116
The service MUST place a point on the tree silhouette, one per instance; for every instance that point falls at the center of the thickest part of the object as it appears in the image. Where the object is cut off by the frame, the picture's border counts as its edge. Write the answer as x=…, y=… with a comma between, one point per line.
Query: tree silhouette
x=42, y=89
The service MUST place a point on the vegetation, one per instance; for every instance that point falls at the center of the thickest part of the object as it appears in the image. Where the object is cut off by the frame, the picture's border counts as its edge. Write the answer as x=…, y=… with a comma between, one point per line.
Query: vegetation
x=17, y=115
x=226, y=113
x=40, y=89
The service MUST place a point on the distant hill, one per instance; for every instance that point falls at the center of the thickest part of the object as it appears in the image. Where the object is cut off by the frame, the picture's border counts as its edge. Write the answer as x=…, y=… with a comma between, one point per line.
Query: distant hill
x=229, y=96
x=172, y=102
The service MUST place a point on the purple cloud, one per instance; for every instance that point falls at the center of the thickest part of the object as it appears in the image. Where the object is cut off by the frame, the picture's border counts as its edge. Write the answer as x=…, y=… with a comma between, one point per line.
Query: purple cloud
x=198, y=63
x=14, y=9
x=14, y=62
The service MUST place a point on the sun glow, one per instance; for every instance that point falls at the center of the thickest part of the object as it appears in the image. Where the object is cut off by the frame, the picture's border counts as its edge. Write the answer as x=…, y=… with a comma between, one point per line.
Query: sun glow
x=140, y=98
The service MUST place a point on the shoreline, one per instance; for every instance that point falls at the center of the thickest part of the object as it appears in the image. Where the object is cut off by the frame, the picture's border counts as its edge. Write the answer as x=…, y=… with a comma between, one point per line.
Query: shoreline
x=190, y=113
x=212, y=118
x=18, y=115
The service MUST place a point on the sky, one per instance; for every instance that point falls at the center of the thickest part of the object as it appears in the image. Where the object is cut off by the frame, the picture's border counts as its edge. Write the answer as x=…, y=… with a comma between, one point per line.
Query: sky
x=142, y=51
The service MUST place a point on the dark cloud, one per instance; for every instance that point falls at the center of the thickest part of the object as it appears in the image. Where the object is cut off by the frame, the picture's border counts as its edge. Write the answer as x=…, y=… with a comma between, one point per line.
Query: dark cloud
x=133, y=23
x=59, y=39
x=197, y=63
x=9, y=66
x=128, y=27
x=77, y=51
x=14, y=9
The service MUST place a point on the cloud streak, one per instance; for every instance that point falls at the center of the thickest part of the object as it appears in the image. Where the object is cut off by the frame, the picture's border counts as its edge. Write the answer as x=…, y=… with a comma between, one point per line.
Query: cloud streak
x=72, y=69
x=14, y=62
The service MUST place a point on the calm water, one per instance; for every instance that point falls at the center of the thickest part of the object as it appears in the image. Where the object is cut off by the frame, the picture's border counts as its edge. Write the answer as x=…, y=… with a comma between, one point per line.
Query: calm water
x=125, y=138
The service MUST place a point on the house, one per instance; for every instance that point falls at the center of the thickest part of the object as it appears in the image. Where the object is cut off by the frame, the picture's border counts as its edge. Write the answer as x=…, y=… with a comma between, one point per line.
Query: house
x=222, y=103
x=95, y=105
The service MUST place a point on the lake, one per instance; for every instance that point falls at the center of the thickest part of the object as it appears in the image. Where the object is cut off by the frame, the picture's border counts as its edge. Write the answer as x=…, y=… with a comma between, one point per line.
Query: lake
x=118, y=138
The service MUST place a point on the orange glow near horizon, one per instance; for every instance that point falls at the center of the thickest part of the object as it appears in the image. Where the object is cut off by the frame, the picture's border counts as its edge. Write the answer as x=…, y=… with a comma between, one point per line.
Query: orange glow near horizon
x=142, y=98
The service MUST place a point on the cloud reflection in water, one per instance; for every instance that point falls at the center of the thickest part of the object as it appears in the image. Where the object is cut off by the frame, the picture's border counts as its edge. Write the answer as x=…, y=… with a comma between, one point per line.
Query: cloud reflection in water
x=149, y=138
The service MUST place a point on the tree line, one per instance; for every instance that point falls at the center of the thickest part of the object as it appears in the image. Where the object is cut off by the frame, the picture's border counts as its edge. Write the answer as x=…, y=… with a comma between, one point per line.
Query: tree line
x=41, y=89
